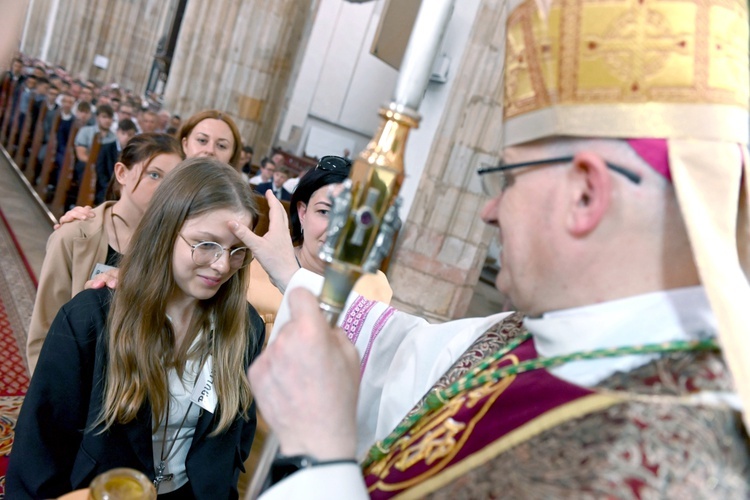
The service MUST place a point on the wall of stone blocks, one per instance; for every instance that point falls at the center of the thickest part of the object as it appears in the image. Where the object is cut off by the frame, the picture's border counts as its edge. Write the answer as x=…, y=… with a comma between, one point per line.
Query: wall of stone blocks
x=443, y=244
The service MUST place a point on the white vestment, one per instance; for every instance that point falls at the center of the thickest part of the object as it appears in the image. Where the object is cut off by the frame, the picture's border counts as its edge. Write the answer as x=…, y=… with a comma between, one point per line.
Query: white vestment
x=402, y=356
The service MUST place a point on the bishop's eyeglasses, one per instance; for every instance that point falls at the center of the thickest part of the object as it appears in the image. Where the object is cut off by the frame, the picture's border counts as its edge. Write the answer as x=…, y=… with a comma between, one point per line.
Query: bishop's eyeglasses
x=206, y=253
x=495, y=184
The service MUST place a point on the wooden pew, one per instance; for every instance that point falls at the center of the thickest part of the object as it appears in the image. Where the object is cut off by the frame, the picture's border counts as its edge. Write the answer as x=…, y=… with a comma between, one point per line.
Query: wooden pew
x=87, y=186
x=7, y=115
x=49, y=159
x=65, y=178
x=6, y=93
x=24, y=135
x=261, y=226
x=13, y=135
x=295, y=164
x=36, y=145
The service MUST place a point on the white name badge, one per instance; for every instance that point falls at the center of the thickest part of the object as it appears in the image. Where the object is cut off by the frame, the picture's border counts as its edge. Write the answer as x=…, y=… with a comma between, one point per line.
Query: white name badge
x=100, y=268
x=204, y=392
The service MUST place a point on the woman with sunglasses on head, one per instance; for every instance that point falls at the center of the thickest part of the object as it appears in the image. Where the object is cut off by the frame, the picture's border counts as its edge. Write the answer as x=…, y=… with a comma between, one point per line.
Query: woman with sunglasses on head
x=78, y=250
x=310, y=206
x=152, y=376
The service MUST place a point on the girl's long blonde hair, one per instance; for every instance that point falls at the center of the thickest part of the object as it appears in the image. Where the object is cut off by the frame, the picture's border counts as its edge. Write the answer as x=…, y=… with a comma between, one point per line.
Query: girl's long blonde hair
x=141, y=340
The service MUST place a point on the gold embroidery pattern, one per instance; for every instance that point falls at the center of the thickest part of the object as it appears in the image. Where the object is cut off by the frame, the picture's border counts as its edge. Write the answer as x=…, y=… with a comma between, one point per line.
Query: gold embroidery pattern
x=637, y=449
x=435, y=445
x=627, y=51
x=439, y=438
x=491, y=341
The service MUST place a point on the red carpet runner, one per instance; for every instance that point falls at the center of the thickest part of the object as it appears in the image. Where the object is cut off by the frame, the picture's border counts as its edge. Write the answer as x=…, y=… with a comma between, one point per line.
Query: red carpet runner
x=16, y=302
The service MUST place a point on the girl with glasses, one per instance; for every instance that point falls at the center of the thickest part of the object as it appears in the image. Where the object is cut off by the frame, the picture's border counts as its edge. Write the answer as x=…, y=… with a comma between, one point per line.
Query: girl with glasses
x=152, y=376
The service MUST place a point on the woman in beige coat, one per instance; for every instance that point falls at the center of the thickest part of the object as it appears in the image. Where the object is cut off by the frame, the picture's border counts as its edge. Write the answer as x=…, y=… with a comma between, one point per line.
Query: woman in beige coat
x=79, y=250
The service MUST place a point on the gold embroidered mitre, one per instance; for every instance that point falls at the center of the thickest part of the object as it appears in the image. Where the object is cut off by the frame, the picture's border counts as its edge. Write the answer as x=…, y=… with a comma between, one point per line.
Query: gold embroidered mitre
x=628, y=69
x=675, y=70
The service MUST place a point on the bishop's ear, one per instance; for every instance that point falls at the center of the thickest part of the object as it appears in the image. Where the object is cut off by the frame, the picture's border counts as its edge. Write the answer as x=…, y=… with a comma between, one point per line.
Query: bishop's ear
x=590, y=193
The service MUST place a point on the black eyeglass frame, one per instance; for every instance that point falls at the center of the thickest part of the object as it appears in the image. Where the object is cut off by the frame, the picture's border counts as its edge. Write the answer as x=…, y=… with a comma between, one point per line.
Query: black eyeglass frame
x=629, y=174
x=246, y=261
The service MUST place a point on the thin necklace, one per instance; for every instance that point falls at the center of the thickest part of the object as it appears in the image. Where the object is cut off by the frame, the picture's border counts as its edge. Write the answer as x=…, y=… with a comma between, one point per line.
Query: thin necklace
x=483, y=374
x=160, y=476
x=112, y=215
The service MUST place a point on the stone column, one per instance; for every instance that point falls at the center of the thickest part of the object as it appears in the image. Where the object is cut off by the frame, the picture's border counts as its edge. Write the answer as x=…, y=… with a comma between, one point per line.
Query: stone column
x=125, y=32
x=443, y=244
x=237, y=56
x=36, y=27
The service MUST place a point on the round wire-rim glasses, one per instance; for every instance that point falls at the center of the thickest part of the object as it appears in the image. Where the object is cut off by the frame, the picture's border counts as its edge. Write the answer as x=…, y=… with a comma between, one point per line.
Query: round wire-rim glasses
x=495, y=184
x=206, y=253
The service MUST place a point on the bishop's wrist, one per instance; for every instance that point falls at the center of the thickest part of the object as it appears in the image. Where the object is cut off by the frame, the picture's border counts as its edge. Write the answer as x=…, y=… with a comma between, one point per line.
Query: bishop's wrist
x=286, y=465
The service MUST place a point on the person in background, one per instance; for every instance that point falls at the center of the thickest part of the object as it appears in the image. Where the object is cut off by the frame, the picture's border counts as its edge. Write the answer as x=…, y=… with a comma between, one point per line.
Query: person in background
x=49, y=117
x=276, y=185
x=109, y=154
x=115, y=102
x=163, y=120
x=86, y=95
x=125, y=112
x=152, y=376
x=39, y=100
x=84, y=141
x=79, y=250
x=246, y=162
x=148, y=121
x=175, y=122
x=291, y=184
x=22, y=95
x=211, y=133
x=265, y=174
x=278, y=159
x=67, y=119
x=83, y=113
x=15, y=73
x=75, y=89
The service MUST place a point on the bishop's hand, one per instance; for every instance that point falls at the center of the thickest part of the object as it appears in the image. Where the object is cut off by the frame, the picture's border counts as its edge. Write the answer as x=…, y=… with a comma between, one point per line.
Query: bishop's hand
x=274, y=250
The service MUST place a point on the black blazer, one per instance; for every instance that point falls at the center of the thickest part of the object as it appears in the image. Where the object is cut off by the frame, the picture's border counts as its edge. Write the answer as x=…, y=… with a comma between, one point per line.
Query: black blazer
x=105, y=168
x=55, y=449
x=265, y=186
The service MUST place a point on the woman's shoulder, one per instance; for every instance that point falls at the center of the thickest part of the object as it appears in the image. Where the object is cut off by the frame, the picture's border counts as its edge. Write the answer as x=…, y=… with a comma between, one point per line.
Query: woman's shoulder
x=375, y=287
x=80, y=228
x=91, y=304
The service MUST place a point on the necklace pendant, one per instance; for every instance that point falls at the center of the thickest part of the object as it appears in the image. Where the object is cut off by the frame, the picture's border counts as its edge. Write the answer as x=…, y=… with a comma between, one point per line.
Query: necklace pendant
x=160, y=476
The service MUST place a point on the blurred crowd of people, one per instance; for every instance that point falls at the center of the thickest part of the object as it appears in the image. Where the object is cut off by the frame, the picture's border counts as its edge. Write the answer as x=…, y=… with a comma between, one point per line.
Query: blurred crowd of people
x=48, y=114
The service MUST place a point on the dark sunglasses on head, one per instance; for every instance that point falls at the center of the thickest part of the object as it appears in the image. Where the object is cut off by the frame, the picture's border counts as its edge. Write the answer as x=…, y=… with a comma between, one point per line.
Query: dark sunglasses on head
x=333, y=163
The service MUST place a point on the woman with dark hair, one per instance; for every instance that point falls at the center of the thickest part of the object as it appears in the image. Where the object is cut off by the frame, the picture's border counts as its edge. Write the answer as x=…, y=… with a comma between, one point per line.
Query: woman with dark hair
x=309, y=210
x=152, y=376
